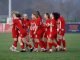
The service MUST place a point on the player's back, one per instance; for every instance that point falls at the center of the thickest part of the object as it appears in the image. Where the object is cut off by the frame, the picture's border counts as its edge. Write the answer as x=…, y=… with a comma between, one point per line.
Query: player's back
x=62, y=22
x=26, y=23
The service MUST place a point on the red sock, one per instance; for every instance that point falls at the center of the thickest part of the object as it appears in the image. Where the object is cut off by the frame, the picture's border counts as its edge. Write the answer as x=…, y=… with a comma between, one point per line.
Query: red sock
x=22, y=46
x=45, y=45
x=30, y=46
x=15, y=43
x=33, y=42
x=59, y=42
x=26, y=44
x=36, y=45
x=64, y=43
x=54, y=44
x=50, y=45
x=41, y=43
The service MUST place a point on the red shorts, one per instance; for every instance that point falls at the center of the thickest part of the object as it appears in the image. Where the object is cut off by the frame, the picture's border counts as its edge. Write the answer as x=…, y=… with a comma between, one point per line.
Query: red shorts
x=39, y=34
x=45, y=34
x=31, y=33
x=52, y=35
x=55, y=36
x=15, y=33
x=22, y=33
x=62, y=33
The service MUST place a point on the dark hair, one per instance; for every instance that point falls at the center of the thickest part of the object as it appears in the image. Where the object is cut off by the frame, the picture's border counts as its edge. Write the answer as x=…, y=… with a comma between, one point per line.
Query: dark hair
x=56, y=15
x=36, y=14
x=48, y=15
x=39, y=15
x=18, y=15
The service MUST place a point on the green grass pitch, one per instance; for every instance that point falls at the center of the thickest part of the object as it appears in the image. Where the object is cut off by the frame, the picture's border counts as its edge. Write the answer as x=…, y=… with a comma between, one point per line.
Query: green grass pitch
x=73, y=53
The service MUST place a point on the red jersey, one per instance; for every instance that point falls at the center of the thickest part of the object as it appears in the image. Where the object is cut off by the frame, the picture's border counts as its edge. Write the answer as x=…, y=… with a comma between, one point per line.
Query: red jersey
x=47, y=25
x=32, y=25
x=14, y=30
x=38, y=23
x=54, y=25
x=51, y=25
x=18, y=24
x=61, y=24
x=51, y=28
x=26, y=24
x=32, y=28
x=39, y=18
x=38, y=28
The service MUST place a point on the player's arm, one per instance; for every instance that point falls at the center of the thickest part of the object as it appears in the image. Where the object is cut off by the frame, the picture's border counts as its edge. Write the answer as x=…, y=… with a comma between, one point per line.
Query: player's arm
x=47, y=24
x=29, y=25
x=35, y=29
x=51, y=25
x=19, y=24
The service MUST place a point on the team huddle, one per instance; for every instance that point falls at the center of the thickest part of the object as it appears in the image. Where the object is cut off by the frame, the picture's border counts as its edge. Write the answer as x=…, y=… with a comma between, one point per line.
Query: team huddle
x=38, y=33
